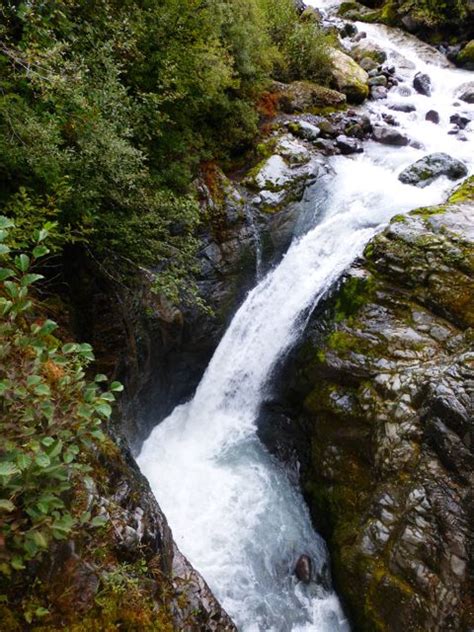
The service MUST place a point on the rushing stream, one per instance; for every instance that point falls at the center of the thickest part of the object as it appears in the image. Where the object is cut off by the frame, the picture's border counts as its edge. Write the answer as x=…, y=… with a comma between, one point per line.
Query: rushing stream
x=232, y=509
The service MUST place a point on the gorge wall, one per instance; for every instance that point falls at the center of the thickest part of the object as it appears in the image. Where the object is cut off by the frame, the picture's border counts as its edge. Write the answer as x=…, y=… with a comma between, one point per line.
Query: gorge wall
x=378, y=409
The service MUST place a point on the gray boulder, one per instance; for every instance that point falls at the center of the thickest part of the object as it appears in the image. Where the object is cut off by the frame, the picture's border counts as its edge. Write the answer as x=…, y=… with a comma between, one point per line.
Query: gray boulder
x=348, y=145
x=425, y=171
x=389, y=136
x=466, y=92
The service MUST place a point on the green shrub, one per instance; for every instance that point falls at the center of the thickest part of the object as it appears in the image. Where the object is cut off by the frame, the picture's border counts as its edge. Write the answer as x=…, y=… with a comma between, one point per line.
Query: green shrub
x=49, y=413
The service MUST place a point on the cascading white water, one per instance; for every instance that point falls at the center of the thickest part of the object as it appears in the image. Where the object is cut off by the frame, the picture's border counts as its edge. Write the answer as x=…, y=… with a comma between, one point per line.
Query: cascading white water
x=232, y=509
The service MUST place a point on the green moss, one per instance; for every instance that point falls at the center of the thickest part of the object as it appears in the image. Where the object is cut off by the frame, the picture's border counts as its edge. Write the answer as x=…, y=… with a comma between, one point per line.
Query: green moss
x=465, y=193
x=340, y=341
x=466, y=56
x=425, y=213
x=355, y=293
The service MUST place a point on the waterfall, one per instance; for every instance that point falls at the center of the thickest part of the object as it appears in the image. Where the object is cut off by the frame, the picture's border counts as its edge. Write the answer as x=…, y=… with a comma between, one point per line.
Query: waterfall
x=232, y=509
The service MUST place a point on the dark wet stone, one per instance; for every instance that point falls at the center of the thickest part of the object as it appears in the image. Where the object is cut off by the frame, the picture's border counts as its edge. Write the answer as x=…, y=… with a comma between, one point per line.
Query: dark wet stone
x=389, y=136
x=461, y=120
x=304, y=568
x=432, y=116
x=402, y=107
x=422, y=84
x=348, y=145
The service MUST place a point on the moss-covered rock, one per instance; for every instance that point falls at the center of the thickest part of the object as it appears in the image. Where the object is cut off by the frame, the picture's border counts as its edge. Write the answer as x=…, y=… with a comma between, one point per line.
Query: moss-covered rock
x=381, y=382
x=305, y=96
x=465, y=58
x=348, y=77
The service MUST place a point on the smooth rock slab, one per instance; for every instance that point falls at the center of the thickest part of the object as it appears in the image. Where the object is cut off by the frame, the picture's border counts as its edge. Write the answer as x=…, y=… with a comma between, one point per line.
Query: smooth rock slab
x=425, y=171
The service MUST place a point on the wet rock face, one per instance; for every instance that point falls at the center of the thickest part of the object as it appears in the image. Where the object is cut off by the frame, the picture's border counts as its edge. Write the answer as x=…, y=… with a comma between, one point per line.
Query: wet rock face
x=383, y=385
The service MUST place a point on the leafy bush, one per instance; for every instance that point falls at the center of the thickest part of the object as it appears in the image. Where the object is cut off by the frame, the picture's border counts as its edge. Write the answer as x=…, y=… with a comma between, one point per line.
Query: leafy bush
x=108, y=108
x=49, y=413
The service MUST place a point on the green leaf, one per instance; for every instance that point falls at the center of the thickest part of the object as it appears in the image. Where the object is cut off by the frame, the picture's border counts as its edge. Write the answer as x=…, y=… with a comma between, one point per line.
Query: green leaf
x=43, y=233
x=116, y=387
x=42, y=389
x=56, y=450
x=47, y=327
x=4, y=250
x=70, y=347
x=42, y=460
x=40, y=251
x=5, y=306
x=4, y=386
x=28, y=279
x=41, y=612
x=40, y=540
x=85, y=517
x=98, y=434
x=5, y=222
x=17, y=563
x=47, y=441
x=104, y=409
x=62, y=526
x=8, y=469
x=6, y=273
x=23, y=460
x=6, y=505
x=12, y=288
x=98, y=521
x=22, y=262
x=101, y=378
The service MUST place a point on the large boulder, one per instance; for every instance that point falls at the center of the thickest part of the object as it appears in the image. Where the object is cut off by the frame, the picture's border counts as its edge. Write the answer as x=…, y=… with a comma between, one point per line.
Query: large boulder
x=305, y=96
x=426, y=170
x=281, y=178
x=380, y=393
x=348, y=77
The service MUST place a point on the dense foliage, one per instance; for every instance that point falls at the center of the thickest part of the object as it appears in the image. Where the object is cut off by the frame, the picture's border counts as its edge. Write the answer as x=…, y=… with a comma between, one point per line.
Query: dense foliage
x=49, y=414
x=432, y=14
x=107, y=107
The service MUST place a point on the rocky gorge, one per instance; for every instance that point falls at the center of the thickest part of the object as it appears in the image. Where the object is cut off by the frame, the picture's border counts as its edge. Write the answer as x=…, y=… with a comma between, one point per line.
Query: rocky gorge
x=375, y=408
x=370, y=414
